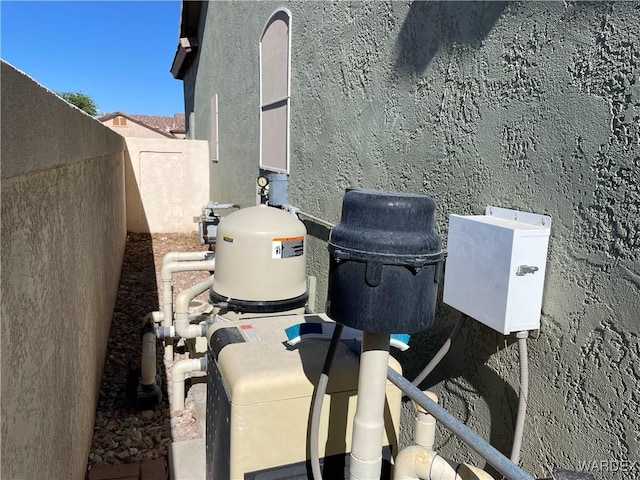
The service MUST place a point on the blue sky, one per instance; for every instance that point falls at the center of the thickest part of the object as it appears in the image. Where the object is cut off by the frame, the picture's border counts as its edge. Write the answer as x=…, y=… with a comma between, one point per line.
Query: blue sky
x=117, y=52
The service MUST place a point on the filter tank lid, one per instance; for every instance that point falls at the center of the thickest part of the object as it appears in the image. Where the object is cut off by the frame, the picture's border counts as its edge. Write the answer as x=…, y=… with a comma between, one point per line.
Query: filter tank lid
x=386, y=227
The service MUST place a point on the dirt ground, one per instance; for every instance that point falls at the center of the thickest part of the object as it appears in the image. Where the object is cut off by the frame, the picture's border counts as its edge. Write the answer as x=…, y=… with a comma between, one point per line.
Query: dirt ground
x=123, y=433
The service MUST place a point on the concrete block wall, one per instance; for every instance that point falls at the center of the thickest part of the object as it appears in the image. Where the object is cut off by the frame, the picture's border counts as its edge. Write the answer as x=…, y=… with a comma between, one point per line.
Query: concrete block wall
x=63, y=236
x=526, y=105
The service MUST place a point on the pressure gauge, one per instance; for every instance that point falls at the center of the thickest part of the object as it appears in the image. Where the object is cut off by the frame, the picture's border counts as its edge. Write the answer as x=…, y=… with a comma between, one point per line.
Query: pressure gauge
x=263, y=181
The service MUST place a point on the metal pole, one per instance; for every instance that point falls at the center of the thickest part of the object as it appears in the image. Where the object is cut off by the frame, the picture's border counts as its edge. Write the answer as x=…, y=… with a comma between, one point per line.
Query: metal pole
x=478, y=444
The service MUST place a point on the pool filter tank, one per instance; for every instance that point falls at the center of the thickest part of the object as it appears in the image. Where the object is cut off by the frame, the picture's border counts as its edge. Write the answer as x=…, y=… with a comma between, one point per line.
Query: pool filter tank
x=260, y=261
x=385, y=262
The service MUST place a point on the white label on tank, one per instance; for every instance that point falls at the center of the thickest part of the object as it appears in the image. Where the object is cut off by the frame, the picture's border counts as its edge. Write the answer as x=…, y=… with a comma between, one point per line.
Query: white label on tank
x=287, y=247
x=250, y=333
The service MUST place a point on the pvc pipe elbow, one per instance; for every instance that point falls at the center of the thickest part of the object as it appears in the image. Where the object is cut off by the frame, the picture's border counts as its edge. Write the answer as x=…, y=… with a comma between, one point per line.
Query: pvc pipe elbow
x=415, y=462
x=178, y=372
x=185, y=256
x=189, y=266
x=184, y=298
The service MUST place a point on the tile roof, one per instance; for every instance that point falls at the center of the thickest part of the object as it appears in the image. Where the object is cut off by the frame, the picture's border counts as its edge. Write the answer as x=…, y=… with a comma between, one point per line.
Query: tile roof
x=164, y=124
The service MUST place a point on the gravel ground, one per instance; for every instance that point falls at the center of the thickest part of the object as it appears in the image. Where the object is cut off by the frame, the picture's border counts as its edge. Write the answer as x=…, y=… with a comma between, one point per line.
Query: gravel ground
x=122, y=433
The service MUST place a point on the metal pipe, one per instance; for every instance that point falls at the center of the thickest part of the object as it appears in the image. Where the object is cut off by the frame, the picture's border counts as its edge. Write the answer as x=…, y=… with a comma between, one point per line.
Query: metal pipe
x=501, y=463
x=368, y=423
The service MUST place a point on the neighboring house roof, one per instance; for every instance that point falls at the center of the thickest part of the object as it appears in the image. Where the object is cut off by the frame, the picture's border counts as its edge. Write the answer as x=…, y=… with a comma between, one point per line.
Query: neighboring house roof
x=165, y=125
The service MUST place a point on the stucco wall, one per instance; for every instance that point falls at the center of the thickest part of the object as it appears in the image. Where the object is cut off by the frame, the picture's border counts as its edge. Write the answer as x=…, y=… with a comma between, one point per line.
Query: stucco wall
x=167, y=184
x=531, y=105
x=63, y=234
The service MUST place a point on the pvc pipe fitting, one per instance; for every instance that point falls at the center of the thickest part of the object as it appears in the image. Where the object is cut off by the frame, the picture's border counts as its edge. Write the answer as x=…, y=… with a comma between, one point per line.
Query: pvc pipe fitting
x=424, y=428
x=178, y=372
x=186, y=256
x=183, y=328
x=414, y=463
x=167, y=272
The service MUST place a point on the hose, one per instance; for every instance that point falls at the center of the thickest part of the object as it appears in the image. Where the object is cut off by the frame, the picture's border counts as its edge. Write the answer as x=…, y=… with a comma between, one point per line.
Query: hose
x=524, y=393
x=318, y=398
x=440, y=354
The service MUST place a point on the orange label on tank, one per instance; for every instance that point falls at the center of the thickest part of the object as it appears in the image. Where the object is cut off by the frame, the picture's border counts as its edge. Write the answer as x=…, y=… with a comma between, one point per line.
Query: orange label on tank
x=287, y=247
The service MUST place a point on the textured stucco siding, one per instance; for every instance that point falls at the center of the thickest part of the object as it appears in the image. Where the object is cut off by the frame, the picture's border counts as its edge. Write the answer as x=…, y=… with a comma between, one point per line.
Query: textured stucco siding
x=63, y=234
x=526, y=105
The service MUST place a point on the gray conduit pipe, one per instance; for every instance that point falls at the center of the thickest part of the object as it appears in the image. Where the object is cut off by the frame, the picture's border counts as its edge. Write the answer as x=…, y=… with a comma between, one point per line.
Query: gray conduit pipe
x=440, y=354
x=318, y=398
x=501, y=463
x=167, y=290
x=524, y=394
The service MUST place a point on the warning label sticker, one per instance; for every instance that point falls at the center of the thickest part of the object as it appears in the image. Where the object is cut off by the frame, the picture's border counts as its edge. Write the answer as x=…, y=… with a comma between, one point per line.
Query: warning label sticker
x=250, y=333
x=287, y=247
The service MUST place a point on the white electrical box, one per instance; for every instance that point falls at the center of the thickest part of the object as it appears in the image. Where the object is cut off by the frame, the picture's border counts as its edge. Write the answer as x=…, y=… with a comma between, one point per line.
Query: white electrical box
x=495, y=267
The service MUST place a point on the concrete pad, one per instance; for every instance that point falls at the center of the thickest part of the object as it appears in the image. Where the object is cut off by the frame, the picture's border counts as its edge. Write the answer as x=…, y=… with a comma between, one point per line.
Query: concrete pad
x=199, y=395
x=187, y=460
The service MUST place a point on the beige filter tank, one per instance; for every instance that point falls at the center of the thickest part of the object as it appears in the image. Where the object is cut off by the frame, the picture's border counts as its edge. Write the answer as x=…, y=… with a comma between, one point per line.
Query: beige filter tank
x=260, y=261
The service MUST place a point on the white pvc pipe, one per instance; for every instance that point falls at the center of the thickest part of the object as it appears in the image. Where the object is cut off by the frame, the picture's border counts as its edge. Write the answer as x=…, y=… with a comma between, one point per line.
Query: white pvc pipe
x=368, y=423
x=424, y=428
x=156, y=317
x=415, y=463
x=178, y=372
x=167, y=272
x=184, y=256
x=148, y=361
x=183, y=328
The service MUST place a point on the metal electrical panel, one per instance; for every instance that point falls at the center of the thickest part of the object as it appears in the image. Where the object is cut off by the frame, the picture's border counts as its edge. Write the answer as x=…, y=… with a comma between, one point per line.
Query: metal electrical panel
x=495, y=267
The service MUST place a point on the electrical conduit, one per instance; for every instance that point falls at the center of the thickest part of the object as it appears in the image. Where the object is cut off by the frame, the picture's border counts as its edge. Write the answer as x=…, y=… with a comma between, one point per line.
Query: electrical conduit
x=318, y=398
x=524, y=394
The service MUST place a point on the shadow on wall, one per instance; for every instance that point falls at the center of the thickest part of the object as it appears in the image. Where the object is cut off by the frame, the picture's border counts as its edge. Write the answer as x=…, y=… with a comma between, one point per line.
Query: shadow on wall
x=464, y=369
x=430, y=26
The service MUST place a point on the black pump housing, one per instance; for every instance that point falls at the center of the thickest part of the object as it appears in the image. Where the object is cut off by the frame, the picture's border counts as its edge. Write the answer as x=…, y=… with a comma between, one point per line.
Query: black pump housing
x=385, y=262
